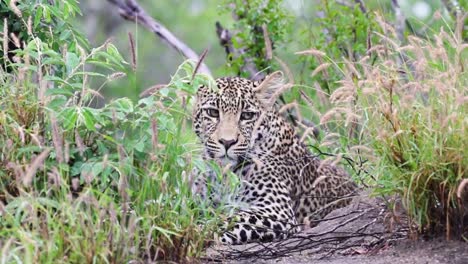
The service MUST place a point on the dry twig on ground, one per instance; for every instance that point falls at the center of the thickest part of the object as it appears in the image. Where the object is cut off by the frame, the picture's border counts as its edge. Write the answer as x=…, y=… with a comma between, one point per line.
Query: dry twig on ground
x=357, y=229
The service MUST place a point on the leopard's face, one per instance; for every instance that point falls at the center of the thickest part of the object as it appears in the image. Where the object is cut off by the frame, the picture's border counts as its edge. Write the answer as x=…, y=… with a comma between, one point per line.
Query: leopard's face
x=224, y=118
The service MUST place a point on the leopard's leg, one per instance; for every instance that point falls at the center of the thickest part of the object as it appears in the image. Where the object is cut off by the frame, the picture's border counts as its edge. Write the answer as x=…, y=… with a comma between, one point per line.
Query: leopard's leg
x=252, y=225
x=268, y=214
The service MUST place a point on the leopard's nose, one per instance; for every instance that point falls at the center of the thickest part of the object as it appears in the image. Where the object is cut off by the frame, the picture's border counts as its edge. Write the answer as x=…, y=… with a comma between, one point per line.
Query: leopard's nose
x=227, y=143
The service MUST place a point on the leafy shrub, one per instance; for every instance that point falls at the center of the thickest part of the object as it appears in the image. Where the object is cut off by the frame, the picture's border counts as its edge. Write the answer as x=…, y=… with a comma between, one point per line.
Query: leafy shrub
x=254, y=19
x=343, y=38
x=80, y=184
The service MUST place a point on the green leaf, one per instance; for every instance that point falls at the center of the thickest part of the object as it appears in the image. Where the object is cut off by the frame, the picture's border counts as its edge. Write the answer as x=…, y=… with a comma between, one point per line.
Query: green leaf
x=112, y=50
x=69, y=117
x=97, y=168
x=46, y=14
x=59, y=91
x=90, y=73
x=123, y=104
x=88, y=118
x=72, y=62
x=77, y=168
x=57, y=103
x=97, y=62
x=166, y=232
x=38, y=16
x=65, y=35
x=140, y=146
x=164, y=91
x=109, y=138
x=52, y=61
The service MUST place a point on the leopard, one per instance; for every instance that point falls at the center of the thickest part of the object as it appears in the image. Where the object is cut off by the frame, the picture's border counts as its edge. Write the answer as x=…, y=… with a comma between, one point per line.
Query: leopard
x=285, y=187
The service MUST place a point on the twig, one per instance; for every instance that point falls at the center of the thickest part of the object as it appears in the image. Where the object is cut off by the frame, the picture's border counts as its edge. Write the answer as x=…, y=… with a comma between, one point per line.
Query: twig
x=339, y=237
x=350, y=162
x=199, y=63
x=130, y=10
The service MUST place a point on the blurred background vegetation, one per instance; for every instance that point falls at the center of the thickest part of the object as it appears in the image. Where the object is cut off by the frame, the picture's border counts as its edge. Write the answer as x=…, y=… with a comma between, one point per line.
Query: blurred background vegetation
x=194, y=23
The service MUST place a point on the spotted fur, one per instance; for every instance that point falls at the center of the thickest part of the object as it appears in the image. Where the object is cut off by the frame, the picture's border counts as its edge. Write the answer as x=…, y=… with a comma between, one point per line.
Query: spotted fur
x=284, y=185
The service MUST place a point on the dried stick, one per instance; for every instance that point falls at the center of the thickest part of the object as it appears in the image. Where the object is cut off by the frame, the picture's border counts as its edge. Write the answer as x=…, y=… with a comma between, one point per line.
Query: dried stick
x=400, y=20
x=333, y=240
x=130, y=10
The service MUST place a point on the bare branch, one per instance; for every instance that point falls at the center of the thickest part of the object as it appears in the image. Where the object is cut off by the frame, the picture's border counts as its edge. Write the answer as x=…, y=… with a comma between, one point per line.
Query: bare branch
x=130, y=10
x=400, y=20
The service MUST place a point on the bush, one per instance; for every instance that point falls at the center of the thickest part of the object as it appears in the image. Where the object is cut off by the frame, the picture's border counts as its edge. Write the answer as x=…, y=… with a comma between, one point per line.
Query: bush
x=80, y=184
x=254, y=20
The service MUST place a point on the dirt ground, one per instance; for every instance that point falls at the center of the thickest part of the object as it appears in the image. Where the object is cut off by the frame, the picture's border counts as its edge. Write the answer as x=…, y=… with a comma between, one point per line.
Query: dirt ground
x=418, y=252
x=364, y=232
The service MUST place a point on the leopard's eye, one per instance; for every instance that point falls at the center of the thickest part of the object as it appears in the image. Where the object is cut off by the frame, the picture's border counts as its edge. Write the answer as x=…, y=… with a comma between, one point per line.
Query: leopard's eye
x=212, y=112
x=247, y=115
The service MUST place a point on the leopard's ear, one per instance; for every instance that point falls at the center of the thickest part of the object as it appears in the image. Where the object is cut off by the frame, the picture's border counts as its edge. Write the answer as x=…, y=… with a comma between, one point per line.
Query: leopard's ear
x=270, y=88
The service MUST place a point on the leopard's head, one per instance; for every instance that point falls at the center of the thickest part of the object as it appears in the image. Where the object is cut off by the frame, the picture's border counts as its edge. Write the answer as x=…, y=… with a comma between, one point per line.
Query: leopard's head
x=227, y=118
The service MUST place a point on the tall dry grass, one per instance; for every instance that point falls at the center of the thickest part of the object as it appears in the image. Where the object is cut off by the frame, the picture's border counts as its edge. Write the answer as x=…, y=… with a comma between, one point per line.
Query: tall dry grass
x=406, y=104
